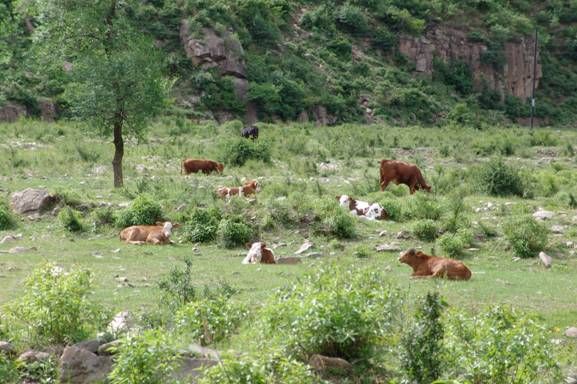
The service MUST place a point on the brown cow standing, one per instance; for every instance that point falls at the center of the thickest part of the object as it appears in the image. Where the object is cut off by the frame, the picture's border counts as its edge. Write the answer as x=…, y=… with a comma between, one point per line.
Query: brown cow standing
x=431, y=266
x=402, y=173
x=205, y=166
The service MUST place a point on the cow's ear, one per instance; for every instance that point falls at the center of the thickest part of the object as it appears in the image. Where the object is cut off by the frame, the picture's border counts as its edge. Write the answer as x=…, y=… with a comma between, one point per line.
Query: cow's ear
x=420, y=254
x=338, y=197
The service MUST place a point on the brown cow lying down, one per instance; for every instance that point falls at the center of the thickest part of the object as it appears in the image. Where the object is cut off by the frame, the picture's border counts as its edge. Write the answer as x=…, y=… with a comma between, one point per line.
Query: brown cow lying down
x=362, y=208
x=204, y=166
x=402, y=173
x=259, y=253
x=152, y=234
x=427, y=266
x=249, y=188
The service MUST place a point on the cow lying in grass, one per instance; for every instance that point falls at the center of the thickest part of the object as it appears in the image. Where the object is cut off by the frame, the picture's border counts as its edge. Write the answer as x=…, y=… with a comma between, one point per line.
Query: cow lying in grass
x=259, y=253
x=402, y=173
x=431, y=266
x=151, y=234
x=200, y=165
x=248, y=188
x=362, y=208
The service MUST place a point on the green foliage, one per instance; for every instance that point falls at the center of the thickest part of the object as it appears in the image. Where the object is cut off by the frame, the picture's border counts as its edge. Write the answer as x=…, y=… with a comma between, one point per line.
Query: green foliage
x=332, y=220
x=499, y=179
x=452, y=244
x=71, y=220
x=142, y=211
x=423, y=206
x=456, y=74
x=65, y=297
x=351, y=18
x=102, y=217
x=238, y=152
x=526, y=236
x=7, y=221
x=500, y=346
x=41, y=372
x=147, y=358
x=233, y=232
x=425, y=230
x=202, y=225
x=335, y=311
x=177, y=286
x=264, y=369
x=362, y=252
x=422, y=356
x=8, y=369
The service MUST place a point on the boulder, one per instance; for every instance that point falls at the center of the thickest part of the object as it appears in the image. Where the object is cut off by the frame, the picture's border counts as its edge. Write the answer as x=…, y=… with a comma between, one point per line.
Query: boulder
x=197, y=350
x=571, y=332
x=89, y=345
x=121, y=323
x=542, y=214
x=321, y=363
x=545, y=259
x=11, y=112
x=32, y=201
x=304, y=247
x=48, y=111
x=80, y=366
x=558, y=229
x=403, y=235
x=32, y=356
x=9, y=238
x=6, y=348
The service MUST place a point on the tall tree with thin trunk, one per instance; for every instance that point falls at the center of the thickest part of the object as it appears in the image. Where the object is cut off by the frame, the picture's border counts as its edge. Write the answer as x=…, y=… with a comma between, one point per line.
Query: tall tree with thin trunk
x=115, y=72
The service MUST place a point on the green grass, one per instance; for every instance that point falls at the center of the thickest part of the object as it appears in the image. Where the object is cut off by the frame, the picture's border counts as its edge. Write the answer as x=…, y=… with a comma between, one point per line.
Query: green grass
x=498, y=278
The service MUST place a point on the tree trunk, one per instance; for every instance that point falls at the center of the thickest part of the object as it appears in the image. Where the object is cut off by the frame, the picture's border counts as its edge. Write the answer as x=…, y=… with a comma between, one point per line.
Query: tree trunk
x=118, y=154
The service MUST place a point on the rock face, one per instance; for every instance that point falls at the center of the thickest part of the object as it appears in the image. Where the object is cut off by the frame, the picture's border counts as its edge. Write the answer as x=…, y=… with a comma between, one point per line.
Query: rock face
x=11, y=112
x=80, y=366
x=6, y=347
x=48, y=110
x=542, y=214
x=32, y=201
x=32, y=356
x=321, y=363
x=446, y=43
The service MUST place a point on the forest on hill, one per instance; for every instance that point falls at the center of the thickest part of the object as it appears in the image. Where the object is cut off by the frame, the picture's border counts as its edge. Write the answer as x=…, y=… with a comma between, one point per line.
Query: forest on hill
x=417, y=61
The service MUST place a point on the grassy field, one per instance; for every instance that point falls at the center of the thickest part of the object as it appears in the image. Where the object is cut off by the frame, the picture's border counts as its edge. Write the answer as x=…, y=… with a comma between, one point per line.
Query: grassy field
x=307, y=162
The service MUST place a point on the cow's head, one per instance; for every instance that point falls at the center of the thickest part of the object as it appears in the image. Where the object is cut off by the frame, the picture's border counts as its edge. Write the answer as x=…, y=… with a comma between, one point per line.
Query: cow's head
x=219, y=167
x=411, y=256
x=376, y=212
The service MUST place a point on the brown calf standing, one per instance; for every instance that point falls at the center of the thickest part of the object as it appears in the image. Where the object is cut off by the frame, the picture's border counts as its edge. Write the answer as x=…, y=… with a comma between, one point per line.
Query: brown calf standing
x=402, y=173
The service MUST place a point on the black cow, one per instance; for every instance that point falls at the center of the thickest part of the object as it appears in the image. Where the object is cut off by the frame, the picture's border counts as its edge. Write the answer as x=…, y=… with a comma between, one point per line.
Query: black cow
x=250, y=132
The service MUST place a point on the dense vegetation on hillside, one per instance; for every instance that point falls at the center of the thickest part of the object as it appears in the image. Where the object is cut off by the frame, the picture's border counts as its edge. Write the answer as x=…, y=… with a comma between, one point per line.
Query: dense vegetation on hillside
x=300, y=54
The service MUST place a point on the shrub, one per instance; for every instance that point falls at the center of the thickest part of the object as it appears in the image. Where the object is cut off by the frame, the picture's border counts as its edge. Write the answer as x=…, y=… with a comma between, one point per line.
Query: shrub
x=177, y=287
x=64, y=296
x=103, y=216
x=210, y=319
x=234, y=231
x=526, y=236
x=421, y=206
x=452, y=244
x=422, y=347
x=425, y=230
x=331, y=220
x=6, y=219
x=267, y=368
x=70, y=220
x=393, y=208
x=542, y=138
x=41, y=372
x=362, y=252
x=455, y=73
x=351, y=18
x=202, y=225
x=499, y=179
x=335, y=311
x=501, y=347
x=455, y=213
x=142, y=211
x=239, y=151
x=8, y=369
x=147, y=358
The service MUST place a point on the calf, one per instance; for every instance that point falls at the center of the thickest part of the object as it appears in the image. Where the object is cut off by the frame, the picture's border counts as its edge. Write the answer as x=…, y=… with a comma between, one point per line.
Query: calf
x=402, y=173
x=204, y=166
x=259, y=253
x=431, y=266
x=250, y=132
x=152, y=234
x=362, y=208
x=249, y=188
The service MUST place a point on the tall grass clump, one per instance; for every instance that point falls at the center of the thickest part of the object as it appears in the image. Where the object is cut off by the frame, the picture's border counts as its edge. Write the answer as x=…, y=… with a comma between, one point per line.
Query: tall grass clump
x=71, y=220
x=332, y=220
x=234, y=231
x=526, y=236
x=499, y=179
x=237, y=152
x=7, y=221
x=425, y=230
x=142, y=211
x=423, y=206
x=335, y=311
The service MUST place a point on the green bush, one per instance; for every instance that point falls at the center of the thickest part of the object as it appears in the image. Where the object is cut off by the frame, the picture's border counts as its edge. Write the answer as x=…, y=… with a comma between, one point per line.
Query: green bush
x=239, y=151
x=331, y=220
x=351, y=18
x=362, y=252
x=393, y=207
x=526, y=236
x=456, y=74
x=267, y=368
x=452, y=244
x=334, y=311
x=499, y=179
x=210, y=319
x=501, y=347
x=8, y=369
x=423, y=206
x=233, y=232
x=41, y=372
x=422, y=356
x=64, y=296
x=7, y=221
x=425, y=230
x=70, y=220
x=103, y=216
x=147, y=358
x=177, y=287
x=142, y=211
x=202, y=225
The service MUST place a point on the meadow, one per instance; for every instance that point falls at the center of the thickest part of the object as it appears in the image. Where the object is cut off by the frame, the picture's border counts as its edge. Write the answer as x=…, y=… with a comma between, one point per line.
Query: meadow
x=308, y=167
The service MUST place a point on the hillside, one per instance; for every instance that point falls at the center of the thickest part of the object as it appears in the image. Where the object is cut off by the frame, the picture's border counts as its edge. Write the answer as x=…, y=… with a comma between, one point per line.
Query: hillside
x=467, y=62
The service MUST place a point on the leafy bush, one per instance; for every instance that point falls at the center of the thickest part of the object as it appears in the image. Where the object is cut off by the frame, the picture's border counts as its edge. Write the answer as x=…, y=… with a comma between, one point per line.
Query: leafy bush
x=210, y=319
x=542, y=138
x=331, y=220
x=393, y=207
x=143, y=211
x=202, y=225
x=8, y=369
x=7, y=221
x=147, y=358
x=455, y=73
x=351, y=18
x=422, y=356
x=334, y=311
x=425, y=230
x=499, y=179
x=41, y=372
x=103, y=216
x=49, y=290
x=237, y=152
x=526, y=236
x=177, y=287
x=455, y=217
x=452, y=244
x=234, y=231
x=500, y=346
x=70, y=220
x=421, y=206
x=362, y=252
x=264, y=369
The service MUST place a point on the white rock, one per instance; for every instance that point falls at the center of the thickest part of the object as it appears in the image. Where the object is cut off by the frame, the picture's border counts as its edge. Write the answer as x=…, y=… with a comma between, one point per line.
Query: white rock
x=393, y=247
x=542, y=214
x=571, y=332
x=545, y=259
x=559, y=229
x=9, y=238
x=383, y=233
x=121, y=323
x=304, y=247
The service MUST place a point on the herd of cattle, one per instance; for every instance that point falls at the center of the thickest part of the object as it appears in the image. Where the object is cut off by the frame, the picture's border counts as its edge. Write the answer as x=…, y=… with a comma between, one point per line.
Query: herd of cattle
x=395, y=171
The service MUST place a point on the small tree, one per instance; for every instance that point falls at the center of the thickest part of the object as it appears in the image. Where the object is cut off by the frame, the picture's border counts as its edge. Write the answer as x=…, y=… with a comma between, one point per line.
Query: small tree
x=116, y=79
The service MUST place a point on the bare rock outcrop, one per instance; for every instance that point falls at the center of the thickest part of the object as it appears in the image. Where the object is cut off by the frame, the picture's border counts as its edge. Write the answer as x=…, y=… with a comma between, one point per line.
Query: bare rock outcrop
x=11, y=112
x=32, y=201
x=81, y=366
